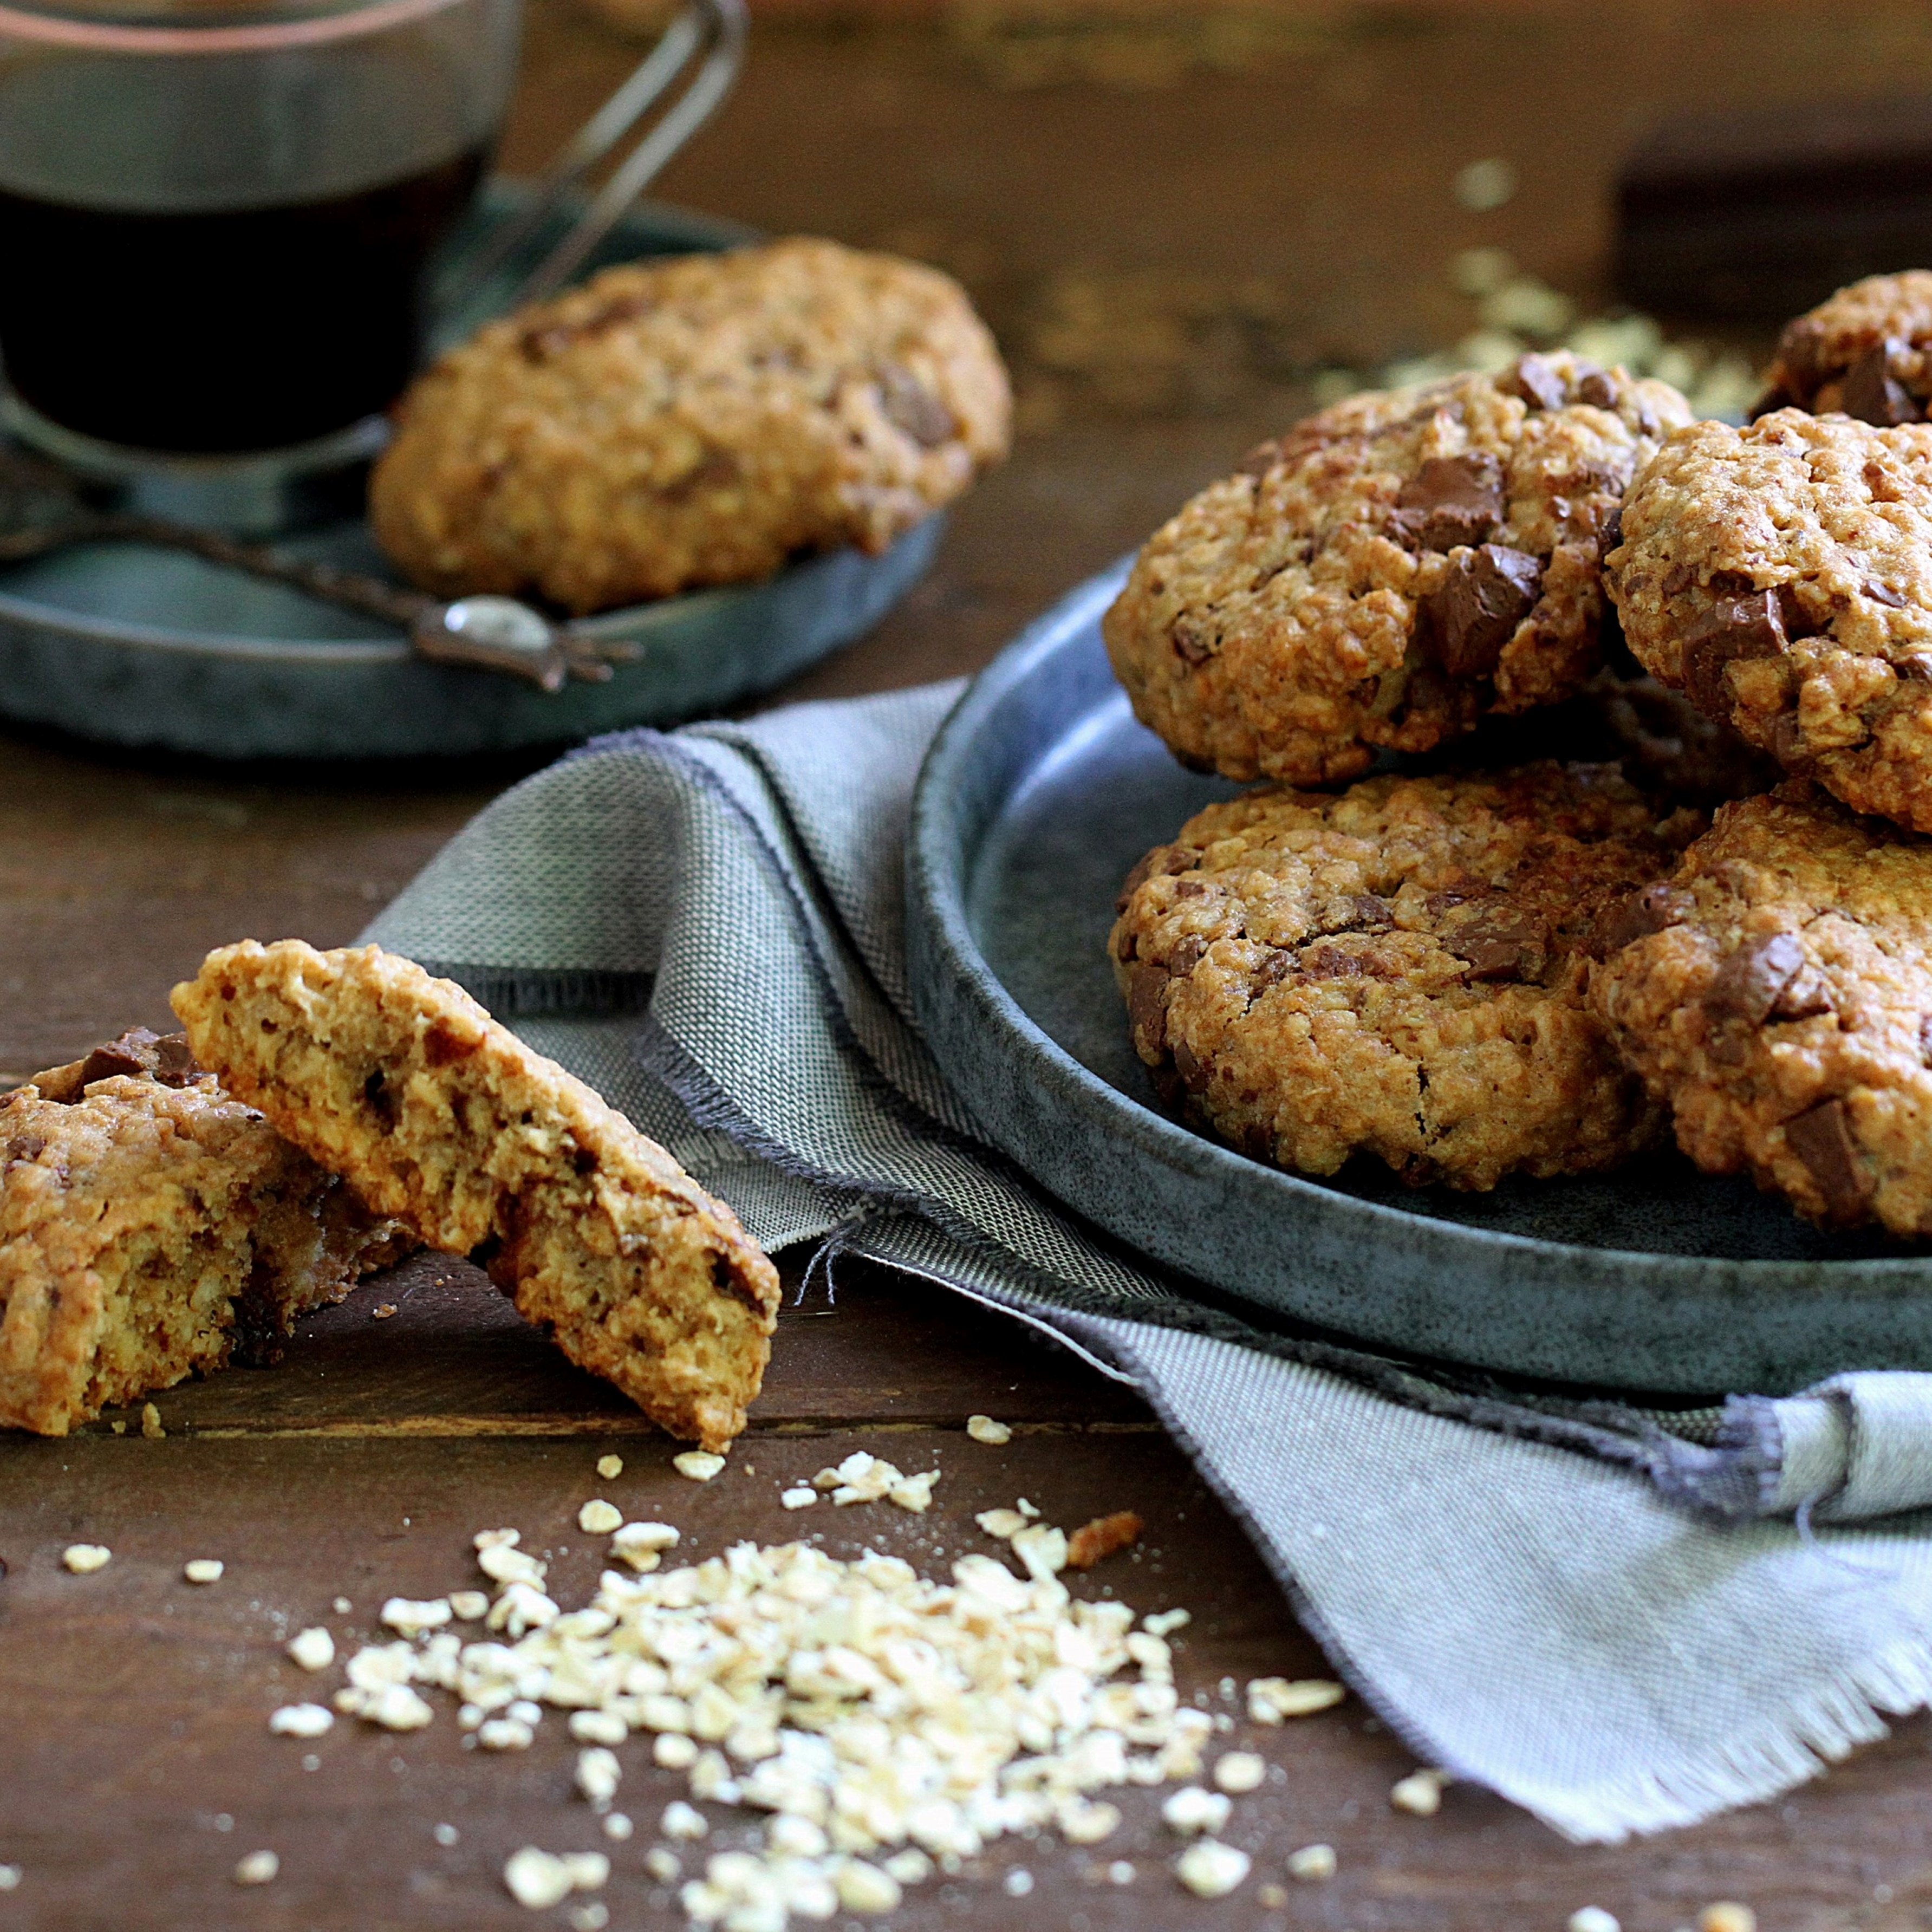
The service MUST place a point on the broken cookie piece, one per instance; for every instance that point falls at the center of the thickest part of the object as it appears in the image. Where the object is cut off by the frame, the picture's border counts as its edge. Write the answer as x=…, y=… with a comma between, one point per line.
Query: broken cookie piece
x=404, y=1085
x=152, y=1227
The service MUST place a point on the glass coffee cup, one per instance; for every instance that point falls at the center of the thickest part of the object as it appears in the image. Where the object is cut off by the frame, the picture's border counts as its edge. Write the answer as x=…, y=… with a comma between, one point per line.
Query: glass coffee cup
x=217, y=222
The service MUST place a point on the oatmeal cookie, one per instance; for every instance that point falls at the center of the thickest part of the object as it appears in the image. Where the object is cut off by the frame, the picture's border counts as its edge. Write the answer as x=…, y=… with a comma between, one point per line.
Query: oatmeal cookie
x=1398, y=969
x=153, y=1228
x=1867, y=353
x=695, y=421
x=1388, y=572
x=443, y=1118
x=1781, y=574
x=1776, y=993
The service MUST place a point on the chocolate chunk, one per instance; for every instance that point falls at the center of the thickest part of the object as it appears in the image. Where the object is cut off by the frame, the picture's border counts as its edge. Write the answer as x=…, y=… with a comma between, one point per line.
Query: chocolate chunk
x=1883, y=593
x=1611, y=532
x=1597, y=390
x=25, y=1147
x=727, y=1277
x=1368, y=914
x=1142, y=871
x=913, y=407
x=1188, y=955
x=1734, y=627
x=1653, y=909
x=1275, y=968
x=1538, y=381
x=1451, y=500
x=1437, y=904
x=1191, y=889
x=1873, y=393
x=1925, y=1039
x=1787, y=743
x=1181, y=859
x=131, y=1056
x=1749, y=983
x=1193, y=1075
x=1129, y=949
x=1913, y=665
x=1194, y=642
x=1331, y=962
x=1501, y=946
x=175, y=1063
x=382, y=1101
x=1799, y=355
x=1487, y=593
x=1777, y=397
x=1822, y=1138
x=1147, y=1007
x=1805, y=996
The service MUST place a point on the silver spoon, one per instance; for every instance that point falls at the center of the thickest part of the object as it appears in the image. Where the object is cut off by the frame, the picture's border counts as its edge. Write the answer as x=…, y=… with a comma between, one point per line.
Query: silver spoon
x=39, y=513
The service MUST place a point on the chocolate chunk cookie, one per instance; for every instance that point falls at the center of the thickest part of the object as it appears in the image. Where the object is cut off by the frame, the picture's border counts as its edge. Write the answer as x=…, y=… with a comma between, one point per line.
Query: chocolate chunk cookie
x=1776, y=993
x=443, y=1118
x=690, y=421
x=1388, y=572
x=1781, y=575
x=1399, y=969
x=1866, y=352
x=153, y=1228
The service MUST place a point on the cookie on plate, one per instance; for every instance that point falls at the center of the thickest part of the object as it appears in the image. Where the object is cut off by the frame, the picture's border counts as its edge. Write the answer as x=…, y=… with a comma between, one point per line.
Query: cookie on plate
x=1781, y=574
x=1388, y=572
x=695, y=421
x=1397, y=970
x=1776, y=995
x=1866, y=353
x=151, y=1228
x=445, y=1120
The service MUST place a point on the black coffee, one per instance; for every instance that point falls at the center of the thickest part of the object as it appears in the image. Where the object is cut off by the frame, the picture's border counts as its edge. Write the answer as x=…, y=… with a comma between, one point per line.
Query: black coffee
x=210, y=332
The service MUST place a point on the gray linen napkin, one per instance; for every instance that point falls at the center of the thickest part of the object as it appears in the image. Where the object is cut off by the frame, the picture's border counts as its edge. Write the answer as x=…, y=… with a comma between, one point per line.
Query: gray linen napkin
x=1601, y=1614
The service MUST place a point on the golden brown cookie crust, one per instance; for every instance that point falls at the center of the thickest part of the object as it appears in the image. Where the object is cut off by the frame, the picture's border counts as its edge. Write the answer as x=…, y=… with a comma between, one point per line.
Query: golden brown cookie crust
x=1398, y=969
x=439, y=1116
x=1776, y=995
x=1866, y=352
x=1781, y=574
x=1388, y=572
x=691, y=422
x=154, y=1229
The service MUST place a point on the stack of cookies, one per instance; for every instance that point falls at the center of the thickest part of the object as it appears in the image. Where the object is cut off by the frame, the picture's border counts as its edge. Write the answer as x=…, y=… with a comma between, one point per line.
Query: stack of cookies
x=1482, y=920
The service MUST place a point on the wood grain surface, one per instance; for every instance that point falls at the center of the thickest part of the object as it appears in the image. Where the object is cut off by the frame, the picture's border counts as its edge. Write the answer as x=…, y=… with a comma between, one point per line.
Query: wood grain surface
x=1175, y=217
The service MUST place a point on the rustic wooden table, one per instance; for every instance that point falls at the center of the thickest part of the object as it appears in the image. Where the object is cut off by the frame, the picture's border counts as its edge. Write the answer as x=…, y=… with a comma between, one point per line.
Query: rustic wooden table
x=1172, y=219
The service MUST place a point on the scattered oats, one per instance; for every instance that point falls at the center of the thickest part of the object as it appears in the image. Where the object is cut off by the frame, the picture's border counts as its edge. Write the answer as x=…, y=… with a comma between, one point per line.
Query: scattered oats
x=1042, y=1548
x=1004, y=1523
x=469, y=1606
x=598, y=1774
x=866, y=1888
x=497, y=1539
x=610, y=1468
x=257, y=1868
x=1018, y=1882
x=827, y=1480
x=1592, y=1918
x=1209, y=1869
x=915, y=1493
x=410, y=1617
x=1167, y=1622
x=617, y=1825
x=203, y=1569
x=793, y=1837
x=802, y=1496
x=588, y=1871
x=1025, y=1508
x=591, y=1918
x=699, y=1464
x=984, y=1428
x=598, y=1727
x=505, y=1734
x=1240, y=1771
x=681, y=1820
x=1421, y=1794
x=537, y=1879
x=642, y=1545
x=505, y=1563
x=910, y=1866
x=84, y=1559
x=341, y=1606
x=1485, y=185
x=312, y=1649
x=1082, y=1822
x=395, y=1707
x=1726, y=1915
x=674, y=1750
x=300, y=1720
x=663, y=1865
x=1313, y=1863
x=1272, y=1699
x=1120, y=1872
x=1191, y=1809
x=520, y=1609
x=599, y=1518
x=446, y=1835
x=151, y=1423
x=382, y=1311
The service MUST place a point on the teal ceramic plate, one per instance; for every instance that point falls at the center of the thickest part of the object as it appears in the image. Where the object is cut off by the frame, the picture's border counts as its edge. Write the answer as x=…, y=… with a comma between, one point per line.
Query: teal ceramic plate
x=135, y=646
x=1038, y=795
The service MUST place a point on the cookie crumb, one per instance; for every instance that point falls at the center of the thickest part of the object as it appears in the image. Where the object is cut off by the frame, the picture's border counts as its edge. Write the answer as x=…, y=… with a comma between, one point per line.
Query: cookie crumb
x=257, y=1868
x=699, y=1464
x=984, y=1428
x=1726, y=1915
x=802, y=1497
x=1313, y=1864
x=1238, y=1772
x=202, y=1569
x=1211, y=1870
x=1271, y=1699
x=151, y=1423
x=599, y=1518
x=84, y=1559
x=1164, y=1623
x=662, y=1865
x=1191, y=1809
x=1419, y=1794
x=300, y=1720
x=381, y=1311
x=1101, y=1538
x=610, y=1468
x=617, y=1826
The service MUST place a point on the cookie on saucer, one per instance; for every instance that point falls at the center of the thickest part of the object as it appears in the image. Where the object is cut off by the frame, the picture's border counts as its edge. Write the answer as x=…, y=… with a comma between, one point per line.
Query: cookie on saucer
x=1781, y=575
x=1389, y=572
x=1397, y=970
x=1776, y=995
x=1866, y=353
x=696, y=421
